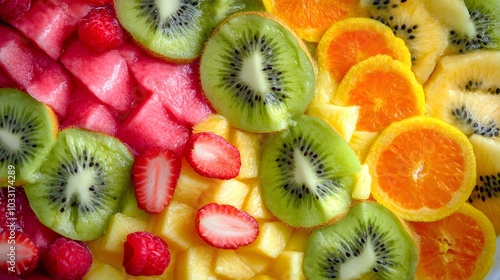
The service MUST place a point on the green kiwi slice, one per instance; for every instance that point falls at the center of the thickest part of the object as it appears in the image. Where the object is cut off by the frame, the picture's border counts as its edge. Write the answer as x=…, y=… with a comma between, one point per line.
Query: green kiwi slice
x=257, y=73
x=370, y=242
x=81, y=183
x=28, y=129
x=307, y=173
x=175, y=29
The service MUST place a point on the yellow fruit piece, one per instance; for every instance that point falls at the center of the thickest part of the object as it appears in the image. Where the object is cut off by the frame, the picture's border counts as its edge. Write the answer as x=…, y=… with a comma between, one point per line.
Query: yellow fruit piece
x=298, y=241
x=257, y=262
x=232, y=192
x=272, y=239
x=361, y=141
x=215, y=123
x=384, y=89
x=288, y=265
x=263, y=277
x=176, y=225
x=249, y=146
x=342, y=119
x=254, y=204
x=190, y=185
x=231, y=266
x=196, y=263
x=422, y=168
x=362, y=187
x=101, y=270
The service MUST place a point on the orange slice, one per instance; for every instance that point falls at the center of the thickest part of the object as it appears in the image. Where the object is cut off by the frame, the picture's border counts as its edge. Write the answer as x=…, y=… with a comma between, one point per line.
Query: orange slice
x=460, y=246
x=310, y=19
x=385, y=89
x=352, y=40
x=423, y=169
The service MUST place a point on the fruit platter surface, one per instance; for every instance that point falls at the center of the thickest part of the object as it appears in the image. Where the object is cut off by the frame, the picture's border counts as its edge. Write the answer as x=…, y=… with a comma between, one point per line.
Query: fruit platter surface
x=249, y=139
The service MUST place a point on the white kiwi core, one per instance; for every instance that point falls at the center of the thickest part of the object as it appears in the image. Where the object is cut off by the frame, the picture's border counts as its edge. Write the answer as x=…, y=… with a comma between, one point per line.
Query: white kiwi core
x=12, y=141
x=251, y=73
x=355, y=267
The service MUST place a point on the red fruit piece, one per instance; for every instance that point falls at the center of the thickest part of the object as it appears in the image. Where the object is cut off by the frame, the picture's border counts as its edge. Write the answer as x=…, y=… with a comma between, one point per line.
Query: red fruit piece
x=225, y=226
x=67, y=259
x=145, y=254
x=13, y=9
x=100, y=30
x=212, y=156
x=155, y=173
x=19, y=253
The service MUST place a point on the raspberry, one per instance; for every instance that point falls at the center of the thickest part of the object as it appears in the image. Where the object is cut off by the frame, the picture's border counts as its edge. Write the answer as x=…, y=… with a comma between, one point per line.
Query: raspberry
x=100, y=30
x=67, y=259
x=145, y=254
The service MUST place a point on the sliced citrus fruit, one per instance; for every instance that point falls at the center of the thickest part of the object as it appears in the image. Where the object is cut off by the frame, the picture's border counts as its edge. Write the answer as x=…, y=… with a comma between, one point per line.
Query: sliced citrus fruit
x=423, y=169
x=310, y=19
x=460, y=246
x=385, y=89
x=352, y=40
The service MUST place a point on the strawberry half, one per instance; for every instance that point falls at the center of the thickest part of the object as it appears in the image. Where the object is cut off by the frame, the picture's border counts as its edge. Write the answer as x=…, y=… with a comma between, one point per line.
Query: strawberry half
x=19, y=254
x=212, y=156
x=155, y=174
x=225, y=226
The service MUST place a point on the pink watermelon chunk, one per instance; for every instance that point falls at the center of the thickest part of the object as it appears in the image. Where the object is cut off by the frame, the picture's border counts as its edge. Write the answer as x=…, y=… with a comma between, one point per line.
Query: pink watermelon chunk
x=150, y=125
x=177, y=85
x=50, y=23
x=86, y=111
x=5, y=80
x=106, y=74
x=34, y=71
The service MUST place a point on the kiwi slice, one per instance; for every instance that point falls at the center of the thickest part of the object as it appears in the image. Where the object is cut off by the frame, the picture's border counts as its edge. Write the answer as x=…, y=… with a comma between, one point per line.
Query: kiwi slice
x=425, y=35
x=370, y=242
x=81, y=183
x=176, y=29
x=464, y=91
x=256, y=72
x=28, y=129
x=307, y=173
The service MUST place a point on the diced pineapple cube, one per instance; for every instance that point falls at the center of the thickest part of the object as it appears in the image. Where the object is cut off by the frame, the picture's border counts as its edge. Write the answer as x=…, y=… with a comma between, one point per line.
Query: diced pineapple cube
x=230, y=265
x=176, y=225
x=257, y=262
x=190, y=186
x=272, y=239
x=254, y=204
x=196, y=263
x=342, y=119
x=298, y=241
x=111, y=243
x=288, y=265
x=263, y=277
x=361, y=141
x=215, y=123
x=362, y=186
x=101, y=270
x=232, y=192
x=249, y=146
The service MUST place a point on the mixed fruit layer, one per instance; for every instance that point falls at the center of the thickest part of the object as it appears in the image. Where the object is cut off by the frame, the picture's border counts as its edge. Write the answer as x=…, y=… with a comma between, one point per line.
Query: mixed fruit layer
x=247, y=139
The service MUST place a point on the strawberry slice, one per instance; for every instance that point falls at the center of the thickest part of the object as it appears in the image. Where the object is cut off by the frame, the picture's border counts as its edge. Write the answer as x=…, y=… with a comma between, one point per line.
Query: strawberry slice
x=155, y=174
x=212, y=156
x=225, y=226
x=19, y=253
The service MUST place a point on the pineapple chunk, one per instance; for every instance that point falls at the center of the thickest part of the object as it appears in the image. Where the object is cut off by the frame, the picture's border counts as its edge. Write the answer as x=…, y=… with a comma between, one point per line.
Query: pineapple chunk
x=288, y=265
x=232, y=192
x=298, y=241
x=229, y=264
x=196, y=263
x=254, y=205
x=214, y=123
x=272, y=239
x=342, y=119
x=176, y=225
x=263, y=277
x=257, y=262
x=362, y=186
x=190, y=185
x=101, y=270
x=249, y=146
x=111, y=243
x=361, y=141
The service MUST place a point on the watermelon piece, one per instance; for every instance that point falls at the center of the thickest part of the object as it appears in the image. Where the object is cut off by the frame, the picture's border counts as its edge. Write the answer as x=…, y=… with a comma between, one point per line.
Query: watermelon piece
x=49, y=23
x=105, y=74
x=150, y=125
x=86, y=111
x=5, y=80
x=177, y=85
x=34, y=71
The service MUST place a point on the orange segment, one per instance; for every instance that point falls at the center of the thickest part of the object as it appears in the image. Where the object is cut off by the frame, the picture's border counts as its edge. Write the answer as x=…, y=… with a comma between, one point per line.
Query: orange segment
x=352, y=40
x=385, y=89
x=422, y=168
x=460, y=246
x=310, y=19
